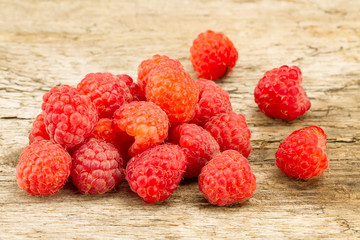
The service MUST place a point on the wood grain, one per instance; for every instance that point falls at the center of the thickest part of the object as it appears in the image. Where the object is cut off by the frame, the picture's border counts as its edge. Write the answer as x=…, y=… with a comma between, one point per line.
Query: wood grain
x=47, y=43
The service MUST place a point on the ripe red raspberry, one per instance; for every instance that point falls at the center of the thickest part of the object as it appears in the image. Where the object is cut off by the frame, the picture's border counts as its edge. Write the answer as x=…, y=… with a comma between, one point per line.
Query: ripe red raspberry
x=143, y=120
x=135, y=90
x=148, y=65
x=303, y=153
x=280, y=95
x=231, y=132
x=68, y=116
x=107, y=91
x=198, y=145
x=174, y=91
x=227, y=179
x=212, y=100
x=43, y=168
x=105, y=130
x=97, y=167
x=213, y=55
x=155, y=173
x=38, y=130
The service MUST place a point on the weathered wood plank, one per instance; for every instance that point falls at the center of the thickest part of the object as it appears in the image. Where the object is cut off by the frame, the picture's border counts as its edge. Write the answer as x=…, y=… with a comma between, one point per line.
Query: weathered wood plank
x=47, y=43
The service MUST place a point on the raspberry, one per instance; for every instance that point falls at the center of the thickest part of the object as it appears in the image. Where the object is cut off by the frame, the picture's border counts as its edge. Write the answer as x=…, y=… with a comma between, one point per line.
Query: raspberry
x=148, y=65
x=198, y=145
x=143, y=120
x=227, y=179
x=155, y=174
x=105, y=130
x=38, y=130
x=303, y=153
x=97, y=167
x=107, y=91
x=43, y=168
x=174, y=91
x=212, y=100
x=213, y=55
x=135, y=90
x=231, y=132
x=68, y=116
x=280, y=95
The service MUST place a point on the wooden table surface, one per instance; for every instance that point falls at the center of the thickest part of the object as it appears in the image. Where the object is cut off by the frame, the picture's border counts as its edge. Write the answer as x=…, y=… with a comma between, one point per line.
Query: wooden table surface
x=48, y=43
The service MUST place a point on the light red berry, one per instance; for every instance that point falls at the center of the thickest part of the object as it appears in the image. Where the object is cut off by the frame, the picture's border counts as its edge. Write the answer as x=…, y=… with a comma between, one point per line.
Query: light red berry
x=227, y=179
x=303, y=153
x=156, y=173
x=43, y=168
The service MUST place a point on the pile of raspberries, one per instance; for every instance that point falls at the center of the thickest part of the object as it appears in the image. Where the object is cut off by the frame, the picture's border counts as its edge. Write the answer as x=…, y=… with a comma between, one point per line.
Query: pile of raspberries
x=164, y=128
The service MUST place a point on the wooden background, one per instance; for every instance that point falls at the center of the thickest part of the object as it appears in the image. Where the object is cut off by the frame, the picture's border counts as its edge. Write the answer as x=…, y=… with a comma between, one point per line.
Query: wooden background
x=47, y=43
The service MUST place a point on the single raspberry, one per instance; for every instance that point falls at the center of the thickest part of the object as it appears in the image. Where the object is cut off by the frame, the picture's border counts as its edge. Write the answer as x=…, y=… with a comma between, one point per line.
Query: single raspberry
x=68, y=116
x=97, y=167
x=213, y=55
x=43, y=168
x=155, y=173
x=107, y=91
x=231, y=132
x=303, y=153
x=212, y=100
x=38, y=130
x=175, y=92
x=227, y=179
x=280, y=95
x=135, y=90
x=198, y=145
x=105, y=130
x=143, y=120
x=148, y=65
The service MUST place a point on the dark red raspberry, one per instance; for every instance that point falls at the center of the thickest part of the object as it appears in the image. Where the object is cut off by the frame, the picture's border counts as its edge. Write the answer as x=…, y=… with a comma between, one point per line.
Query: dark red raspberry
x=68, y=116
x=198, y=145
x=38, y=130
x=107, y=91
x=97, y=167
x=227, y=179
x=43, y=168
x=155, y=174
x=231, y=132
x=303, y=153
x=280, y=95
x=148, y=65
x=145, y=121
x=105, y=130
x=213, y=55
x=135, y=90
x=212, y=100
x=174, y=91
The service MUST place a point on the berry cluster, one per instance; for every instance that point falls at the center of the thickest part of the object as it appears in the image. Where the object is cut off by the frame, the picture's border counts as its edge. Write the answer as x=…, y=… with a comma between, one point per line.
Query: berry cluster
x=164, y=128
